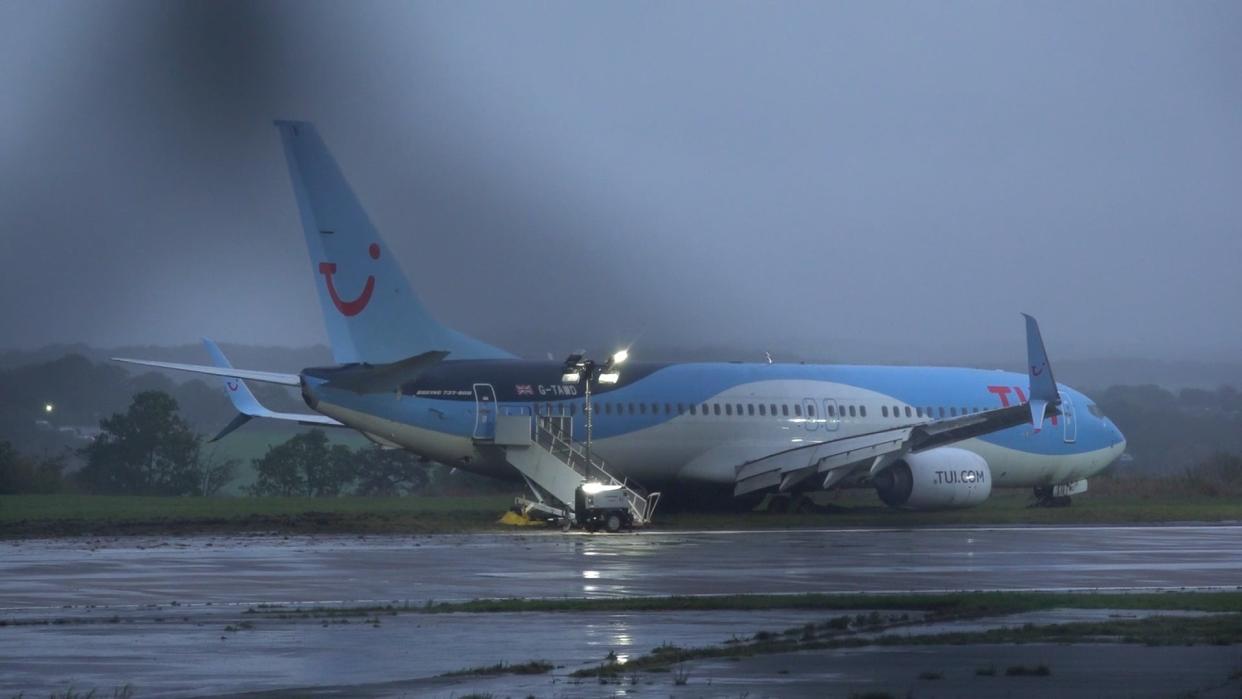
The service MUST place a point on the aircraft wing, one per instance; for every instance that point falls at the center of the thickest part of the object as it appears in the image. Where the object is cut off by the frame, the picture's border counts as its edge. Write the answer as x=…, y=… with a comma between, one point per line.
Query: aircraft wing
x=835, y=459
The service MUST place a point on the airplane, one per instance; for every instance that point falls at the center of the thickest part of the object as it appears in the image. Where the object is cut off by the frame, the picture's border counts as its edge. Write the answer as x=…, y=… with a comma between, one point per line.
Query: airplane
x=921, y=437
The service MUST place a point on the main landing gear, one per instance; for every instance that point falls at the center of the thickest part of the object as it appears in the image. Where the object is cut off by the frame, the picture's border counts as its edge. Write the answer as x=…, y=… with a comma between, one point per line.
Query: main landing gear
x=1045, y=497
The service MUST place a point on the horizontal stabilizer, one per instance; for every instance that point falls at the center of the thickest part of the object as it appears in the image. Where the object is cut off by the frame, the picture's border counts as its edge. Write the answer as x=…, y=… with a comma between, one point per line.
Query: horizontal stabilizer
x=239, y=420
x=248, y=405
x=248, y=374
x=383, y=378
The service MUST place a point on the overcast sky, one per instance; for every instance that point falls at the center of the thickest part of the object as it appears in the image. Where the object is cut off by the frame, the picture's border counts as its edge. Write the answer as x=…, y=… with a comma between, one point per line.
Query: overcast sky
x=799, y=177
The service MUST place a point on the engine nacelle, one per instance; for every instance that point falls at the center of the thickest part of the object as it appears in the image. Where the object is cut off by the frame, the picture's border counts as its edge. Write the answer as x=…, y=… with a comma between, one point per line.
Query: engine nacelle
x=936, y=479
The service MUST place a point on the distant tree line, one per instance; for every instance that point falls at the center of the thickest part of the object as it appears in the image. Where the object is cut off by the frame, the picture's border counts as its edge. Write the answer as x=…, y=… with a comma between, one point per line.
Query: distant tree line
x=151, y=450
x=148, y=436
x=1168, y=432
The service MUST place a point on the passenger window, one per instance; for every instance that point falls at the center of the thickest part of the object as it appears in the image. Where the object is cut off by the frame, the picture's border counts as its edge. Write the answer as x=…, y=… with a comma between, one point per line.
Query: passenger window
x=705, y=408
x=785, y=409
x=750, y=409
x=681, y=408
x=862, y=411
x=631, y=408
x=810, y=410
x=942, y=411
x=832, y=410
x=728, y=408
x=573, y=409
x=739, y=409
x=907, y=411
x=762, y=409
x=918, y=412
x=952, y=411
x=715, y=408
x=642, y=408
x=692, y=412
x=883, y=411
x=668, y=409
x=772, y=407
x=852, y=411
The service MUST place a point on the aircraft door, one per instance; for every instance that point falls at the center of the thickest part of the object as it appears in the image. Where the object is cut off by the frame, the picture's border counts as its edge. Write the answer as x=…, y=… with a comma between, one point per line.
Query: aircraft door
x=808, y=414
x=1071, y=422
x=832, y=414
x=484, y=411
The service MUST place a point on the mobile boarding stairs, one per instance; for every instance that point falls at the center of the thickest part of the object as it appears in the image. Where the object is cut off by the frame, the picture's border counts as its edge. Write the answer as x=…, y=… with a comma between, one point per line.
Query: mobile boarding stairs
x=568, y=487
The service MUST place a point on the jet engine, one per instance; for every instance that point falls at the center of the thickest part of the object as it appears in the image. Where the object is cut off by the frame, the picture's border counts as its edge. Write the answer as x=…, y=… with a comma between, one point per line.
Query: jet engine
x=935, y=479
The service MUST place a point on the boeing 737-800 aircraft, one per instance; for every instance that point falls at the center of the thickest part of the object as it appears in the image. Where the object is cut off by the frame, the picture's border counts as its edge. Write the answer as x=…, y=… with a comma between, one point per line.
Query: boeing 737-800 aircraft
x=923, y=437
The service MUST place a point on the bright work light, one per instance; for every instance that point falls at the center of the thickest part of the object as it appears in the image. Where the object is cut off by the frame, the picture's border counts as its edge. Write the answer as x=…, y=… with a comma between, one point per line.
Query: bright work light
x=571, y=377
x=609, y=377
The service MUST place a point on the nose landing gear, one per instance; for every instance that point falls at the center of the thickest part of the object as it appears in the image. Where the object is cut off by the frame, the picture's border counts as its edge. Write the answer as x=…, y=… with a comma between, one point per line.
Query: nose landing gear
x=1045, y=496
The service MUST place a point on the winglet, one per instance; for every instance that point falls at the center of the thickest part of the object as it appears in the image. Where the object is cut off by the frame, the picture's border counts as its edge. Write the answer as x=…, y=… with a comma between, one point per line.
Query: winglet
x=1043, y=387
x=237, y=390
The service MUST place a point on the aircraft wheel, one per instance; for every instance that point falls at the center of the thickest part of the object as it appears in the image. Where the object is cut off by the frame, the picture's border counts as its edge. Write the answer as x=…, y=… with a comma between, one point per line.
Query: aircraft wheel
x=613, y=523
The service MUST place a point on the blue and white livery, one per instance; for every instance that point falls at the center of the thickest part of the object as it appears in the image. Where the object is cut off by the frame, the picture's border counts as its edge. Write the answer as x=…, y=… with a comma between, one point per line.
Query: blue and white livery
x=921, y=436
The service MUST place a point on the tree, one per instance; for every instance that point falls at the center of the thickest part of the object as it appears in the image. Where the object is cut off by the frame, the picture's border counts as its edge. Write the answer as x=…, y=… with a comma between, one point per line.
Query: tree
x=212, y=474
x=388, y=472
x=19, y=474
x=147, y=450
x=305, y=464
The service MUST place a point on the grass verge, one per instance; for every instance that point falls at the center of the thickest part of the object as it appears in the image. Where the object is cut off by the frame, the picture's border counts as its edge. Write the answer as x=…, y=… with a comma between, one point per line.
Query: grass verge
x=1224, y=629
x=530, y=667
x=23, y=516
x=936, y=606
x=69, y=515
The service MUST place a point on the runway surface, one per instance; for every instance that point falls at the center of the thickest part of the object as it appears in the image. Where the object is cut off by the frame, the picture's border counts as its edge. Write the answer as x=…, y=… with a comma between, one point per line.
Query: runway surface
x=342, y=569
x=169, y=614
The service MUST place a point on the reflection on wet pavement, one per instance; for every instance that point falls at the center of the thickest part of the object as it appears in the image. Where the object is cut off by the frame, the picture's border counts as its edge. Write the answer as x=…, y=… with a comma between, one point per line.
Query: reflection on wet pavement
x=168, y=615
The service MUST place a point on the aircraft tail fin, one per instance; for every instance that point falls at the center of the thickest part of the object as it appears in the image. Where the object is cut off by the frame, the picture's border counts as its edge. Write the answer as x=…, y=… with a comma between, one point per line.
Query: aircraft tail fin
x=371, y=312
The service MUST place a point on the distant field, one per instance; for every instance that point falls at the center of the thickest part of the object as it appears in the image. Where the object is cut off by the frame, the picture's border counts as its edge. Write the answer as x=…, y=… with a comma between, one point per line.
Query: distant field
x=252, y=442
x=62, y=515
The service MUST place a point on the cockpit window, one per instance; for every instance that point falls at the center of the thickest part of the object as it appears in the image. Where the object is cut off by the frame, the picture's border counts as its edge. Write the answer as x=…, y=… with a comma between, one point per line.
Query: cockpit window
x=1095, y=410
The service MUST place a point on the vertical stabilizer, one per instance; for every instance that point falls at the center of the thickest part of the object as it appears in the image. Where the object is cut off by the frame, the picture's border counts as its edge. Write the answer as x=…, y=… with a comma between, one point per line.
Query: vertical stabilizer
x=371, y=313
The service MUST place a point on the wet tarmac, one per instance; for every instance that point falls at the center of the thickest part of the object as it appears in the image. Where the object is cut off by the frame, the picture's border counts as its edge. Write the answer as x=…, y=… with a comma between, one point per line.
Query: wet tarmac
x=246, y=570
x=169, y=615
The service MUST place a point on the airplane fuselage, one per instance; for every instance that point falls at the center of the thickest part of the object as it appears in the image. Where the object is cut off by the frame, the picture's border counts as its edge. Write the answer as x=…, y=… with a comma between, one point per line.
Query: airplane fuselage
x=664, y=423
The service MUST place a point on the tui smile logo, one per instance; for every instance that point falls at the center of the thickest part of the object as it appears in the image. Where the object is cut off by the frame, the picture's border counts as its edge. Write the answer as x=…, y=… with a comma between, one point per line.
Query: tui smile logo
x=354, y=306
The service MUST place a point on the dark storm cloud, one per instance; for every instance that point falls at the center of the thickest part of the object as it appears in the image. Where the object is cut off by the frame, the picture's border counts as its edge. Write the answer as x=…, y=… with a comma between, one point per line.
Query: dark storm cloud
x=894, y=179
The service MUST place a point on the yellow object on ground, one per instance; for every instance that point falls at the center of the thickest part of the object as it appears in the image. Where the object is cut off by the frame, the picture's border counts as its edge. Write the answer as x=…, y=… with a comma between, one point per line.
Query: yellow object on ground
x=514, y=519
